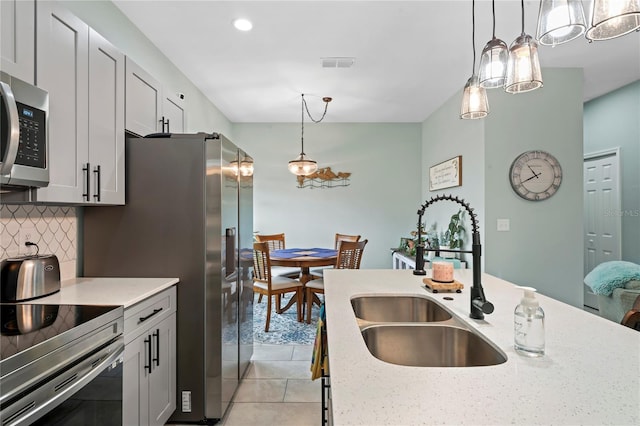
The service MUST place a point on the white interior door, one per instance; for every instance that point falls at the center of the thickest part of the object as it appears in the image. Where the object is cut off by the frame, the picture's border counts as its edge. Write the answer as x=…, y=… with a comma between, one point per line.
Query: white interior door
x=602, y=219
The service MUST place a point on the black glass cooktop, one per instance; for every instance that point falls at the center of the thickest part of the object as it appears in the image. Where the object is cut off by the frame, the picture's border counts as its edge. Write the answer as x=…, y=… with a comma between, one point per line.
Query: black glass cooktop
x=23, y=326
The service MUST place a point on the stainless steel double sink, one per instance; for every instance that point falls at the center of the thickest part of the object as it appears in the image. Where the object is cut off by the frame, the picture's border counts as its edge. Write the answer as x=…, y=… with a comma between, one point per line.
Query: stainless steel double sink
x=419, y=331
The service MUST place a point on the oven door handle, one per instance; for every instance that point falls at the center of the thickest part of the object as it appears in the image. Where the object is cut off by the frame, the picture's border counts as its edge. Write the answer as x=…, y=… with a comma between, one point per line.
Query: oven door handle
x=9, y=156
x=54, y=392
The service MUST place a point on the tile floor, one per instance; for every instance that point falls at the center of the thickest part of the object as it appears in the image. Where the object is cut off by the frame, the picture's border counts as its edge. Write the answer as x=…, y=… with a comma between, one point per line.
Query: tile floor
x=277, y=389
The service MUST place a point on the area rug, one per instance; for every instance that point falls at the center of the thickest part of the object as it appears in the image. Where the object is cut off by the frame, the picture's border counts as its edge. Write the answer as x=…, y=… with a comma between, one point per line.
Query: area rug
x=284, y=329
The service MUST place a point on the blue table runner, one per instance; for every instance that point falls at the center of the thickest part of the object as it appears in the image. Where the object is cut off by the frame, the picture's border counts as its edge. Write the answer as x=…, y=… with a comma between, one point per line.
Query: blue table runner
x=302, y=252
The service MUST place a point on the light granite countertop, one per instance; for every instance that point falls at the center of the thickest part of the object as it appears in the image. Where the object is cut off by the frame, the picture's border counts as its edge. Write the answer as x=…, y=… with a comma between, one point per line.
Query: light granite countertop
x=590, y=373
x=124, y=292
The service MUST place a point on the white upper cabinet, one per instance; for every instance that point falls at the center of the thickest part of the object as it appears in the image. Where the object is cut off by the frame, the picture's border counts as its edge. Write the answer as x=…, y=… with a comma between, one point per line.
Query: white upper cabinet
x=143, y=101
x=173, y=114
x=63, y=71
x=84, y=76
x=106, y=120
x=149, y=107
x=17, y=38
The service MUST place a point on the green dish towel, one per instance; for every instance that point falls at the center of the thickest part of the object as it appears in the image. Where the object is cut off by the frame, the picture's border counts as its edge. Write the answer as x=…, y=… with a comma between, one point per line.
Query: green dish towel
x=608, y=276
x=319, y=359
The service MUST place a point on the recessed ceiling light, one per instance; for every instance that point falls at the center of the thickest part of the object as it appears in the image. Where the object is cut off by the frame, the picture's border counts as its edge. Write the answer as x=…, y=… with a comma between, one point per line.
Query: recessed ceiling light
x=242, y=24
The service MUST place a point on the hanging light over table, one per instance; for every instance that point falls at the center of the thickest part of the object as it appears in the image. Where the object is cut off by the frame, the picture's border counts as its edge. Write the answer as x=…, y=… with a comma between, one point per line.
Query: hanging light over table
x=560, y=21
x=493, y=61
x=523, y=68
x=613, y=18
x=474, y=97
x=302, y=165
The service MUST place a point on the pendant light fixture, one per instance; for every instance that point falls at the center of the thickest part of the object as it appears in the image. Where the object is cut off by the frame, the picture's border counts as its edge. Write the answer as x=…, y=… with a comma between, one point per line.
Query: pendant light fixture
x=613, y=18
x=474, y=97
x=302, y=165
x=523, y=68
x=560, y=21
x=493, y=61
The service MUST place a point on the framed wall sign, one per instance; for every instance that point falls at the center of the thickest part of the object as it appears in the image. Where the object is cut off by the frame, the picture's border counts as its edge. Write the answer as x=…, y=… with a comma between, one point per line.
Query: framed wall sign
x=446, y=174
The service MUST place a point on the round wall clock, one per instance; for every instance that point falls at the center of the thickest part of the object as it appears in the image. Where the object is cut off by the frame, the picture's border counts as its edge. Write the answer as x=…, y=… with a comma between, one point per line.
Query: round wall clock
x=535, y=175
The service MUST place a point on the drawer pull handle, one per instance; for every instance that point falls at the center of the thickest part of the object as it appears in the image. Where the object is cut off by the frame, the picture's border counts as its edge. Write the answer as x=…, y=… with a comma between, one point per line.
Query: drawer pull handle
x=143, y=319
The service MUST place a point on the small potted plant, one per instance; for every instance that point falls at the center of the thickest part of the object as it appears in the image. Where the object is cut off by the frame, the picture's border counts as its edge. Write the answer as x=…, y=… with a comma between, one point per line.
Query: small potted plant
x=445, y=244
x=433, y=242
x=456, y=231
x=414, y=243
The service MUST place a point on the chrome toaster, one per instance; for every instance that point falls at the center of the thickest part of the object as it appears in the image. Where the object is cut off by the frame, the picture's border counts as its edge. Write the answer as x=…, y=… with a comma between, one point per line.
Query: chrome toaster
x=29, y=277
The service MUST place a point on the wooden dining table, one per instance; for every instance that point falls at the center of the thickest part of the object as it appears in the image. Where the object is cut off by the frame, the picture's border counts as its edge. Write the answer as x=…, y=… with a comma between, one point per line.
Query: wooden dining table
x=303, y=258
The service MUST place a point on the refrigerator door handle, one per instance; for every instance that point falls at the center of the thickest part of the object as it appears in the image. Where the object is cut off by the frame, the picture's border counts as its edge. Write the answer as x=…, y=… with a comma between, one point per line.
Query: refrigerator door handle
x=230, y=253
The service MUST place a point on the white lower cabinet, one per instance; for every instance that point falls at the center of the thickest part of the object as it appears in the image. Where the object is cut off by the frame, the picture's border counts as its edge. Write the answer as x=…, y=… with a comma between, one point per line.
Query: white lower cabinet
x=149, y=375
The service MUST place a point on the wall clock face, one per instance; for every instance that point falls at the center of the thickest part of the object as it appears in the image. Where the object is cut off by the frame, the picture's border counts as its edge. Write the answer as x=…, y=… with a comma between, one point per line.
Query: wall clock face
x=535, y=175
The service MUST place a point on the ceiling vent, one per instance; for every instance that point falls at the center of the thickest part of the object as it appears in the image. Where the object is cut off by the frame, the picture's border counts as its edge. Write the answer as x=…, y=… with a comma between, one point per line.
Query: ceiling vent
x=338, y=62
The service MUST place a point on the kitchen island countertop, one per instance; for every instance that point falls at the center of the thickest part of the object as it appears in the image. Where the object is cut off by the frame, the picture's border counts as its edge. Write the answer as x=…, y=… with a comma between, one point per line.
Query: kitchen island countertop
x=124, y=292
x=590, y=373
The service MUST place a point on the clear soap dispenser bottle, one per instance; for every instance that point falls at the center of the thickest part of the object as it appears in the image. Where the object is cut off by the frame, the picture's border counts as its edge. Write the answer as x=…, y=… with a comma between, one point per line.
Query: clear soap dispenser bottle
x=528, y=325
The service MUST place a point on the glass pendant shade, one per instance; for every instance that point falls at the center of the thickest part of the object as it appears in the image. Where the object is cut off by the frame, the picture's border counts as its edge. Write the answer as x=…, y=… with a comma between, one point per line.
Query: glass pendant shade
x=474, y=100
x=302, y=166
x=613, y=18
x=493, y=64
x=523, y=68
x=560, y=21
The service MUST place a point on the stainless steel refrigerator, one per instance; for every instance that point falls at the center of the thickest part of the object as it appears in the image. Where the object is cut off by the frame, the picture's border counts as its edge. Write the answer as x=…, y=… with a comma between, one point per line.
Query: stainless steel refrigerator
x=188, y=214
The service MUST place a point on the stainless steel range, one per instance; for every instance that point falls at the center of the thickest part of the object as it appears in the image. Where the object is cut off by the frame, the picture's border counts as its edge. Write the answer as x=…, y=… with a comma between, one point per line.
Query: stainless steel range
x=61, y=364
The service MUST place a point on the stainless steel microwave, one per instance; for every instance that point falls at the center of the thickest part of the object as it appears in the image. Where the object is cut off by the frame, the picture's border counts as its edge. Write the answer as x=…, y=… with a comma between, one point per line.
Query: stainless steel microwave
x=23, y=134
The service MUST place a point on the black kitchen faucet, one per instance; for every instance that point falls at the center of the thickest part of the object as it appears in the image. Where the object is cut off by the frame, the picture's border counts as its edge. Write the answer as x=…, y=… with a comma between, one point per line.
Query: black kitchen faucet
x=479, y=303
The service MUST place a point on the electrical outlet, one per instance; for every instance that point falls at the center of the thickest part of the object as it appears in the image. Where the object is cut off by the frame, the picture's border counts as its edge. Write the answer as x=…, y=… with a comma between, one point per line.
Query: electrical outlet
x=27, y=233
x=186, y=401
x=503, y=225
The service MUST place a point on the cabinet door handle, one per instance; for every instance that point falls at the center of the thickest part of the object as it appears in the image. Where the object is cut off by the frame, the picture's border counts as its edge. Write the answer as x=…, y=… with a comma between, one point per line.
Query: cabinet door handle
x=143, y=319
x=97, y=191
x=163, y=121
x=87, y=181
x=147, y=346
x=156, y=334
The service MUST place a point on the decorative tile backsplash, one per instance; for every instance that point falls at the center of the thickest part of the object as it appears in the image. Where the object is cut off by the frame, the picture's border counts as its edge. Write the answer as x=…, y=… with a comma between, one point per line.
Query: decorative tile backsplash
x=56, y=230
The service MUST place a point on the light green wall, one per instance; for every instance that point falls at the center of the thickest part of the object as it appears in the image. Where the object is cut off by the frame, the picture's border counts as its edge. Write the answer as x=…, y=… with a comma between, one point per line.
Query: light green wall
x=380, y=203
x=106, y=19
x=611, y=121
x=445, y=136
x=543, y=249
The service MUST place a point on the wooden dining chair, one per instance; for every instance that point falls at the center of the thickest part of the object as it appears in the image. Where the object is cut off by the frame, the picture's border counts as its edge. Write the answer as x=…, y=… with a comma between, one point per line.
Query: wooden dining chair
x=317, y=272
x=265, y=284
x=349, y=257
x=277, y=242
